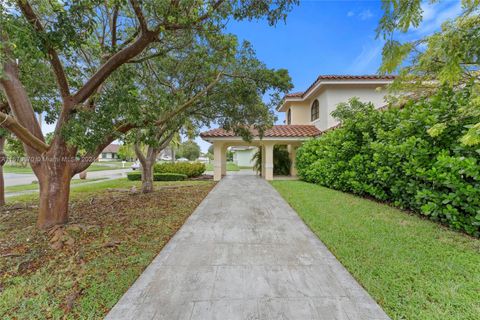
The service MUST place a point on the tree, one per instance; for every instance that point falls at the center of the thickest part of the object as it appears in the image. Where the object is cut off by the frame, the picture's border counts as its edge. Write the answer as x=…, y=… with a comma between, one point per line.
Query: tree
x=448, y=58
x=70, y=58
x=210, y=79
x=126, y=152
x=190, y=150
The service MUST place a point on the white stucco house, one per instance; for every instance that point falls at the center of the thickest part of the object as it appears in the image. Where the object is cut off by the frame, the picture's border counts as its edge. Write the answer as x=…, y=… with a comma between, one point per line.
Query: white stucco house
x=243, y=155
x=307, y=115
x=110, y=153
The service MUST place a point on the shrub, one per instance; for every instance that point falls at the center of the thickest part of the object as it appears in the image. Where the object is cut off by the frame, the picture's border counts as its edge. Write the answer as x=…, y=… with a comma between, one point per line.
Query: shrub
x=169, y=177
x=189, y=169
x=404, y=157
x=134, y=176
x=137, y=176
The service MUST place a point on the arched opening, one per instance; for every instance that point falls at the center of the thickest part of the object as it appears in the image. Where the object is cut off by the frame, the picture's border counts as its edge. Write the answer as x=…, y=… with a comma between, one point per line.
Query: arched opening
x=314, y=111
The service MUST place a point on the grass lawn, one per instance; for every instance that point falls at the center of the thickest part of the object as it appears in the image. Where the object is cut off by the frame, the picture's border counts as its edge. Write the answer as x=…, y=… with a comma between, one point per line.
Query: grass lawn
x=414, y=268
x=96, y=166
x=34, y=186
x=230, y=166
x=112, y=236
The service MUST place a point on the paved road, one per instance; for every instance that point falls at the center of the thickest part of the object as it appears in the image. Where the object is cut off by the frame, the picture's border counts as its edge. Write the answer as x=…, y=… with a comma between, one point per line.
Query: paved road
x=245, y=254
x=14, y=179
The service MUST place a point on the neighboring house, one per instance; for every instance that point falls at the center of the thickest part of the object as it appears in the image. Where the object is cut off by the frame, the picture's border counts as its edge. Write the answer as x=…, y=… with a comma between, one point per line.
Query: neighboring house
x=243, y=155
x=165, y=155
x=110, y=153
x=307, y=115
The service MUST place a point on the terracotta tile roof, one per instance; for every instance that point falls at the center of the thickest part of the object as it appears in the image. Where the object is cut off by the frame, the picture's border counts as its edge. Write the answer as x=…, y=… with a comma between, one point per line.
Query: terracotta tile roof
x=280, y=131
x=339, y=77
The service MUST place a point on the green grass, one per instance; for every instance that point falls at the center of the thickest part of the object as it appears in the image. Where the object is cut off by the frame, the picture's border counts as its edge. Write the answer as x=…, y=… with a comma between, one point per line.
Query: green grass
x=230, y=166
x=115, y=236
x=414, y=268
x=34, y=186
x=97, y=166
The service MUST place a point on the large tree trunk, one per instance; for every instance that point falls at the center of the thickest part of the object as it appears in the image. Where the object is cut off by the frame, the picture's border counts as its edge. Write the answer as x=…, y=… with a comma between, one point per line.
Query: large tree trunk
x=54, y=172
x=3, y=159
x=147, y=161
x=54, y=196
x=147, y=176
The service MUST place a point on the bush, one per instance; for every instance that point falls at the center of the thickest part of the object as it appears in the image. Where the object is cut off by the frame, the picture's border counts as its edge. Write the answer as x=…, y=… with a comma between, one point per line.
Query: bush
x=403, y=156
x=134, y=176
x=169, y=177
x=194, y=169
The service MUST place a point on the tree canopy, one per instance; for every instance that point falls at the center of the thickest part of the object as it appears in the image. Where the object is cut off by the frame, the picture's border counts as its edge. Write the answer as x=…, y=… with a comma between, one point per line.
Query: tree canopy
x=448, y=58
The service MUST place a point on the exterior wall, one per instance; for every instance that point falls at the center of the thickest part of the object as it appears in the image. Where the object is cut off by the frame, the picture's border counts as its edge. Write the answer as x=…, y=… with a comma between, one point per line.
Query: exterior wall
x=338, y=94
x=108, y=156
x=329, y=97
x=300, y=113
x=243, y=158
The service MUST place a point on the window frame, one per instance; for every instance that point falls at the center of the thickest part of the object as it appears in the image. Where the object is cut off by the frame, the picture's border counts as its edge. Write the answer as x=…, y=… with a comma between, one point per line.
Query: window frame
x=289, y=116
x=314, y=115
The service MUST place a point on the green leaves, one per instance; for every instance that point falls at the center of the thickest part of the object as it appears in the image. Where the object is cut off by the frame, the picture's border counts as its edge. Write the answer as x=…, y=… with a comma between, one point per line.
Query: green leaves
x=414, y=157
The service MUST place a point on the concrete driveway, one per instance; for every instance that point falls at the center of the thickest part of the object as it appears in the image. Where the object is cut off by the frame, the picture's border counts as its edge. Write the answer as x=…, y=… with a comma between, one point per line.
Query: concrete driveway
x=245, y=254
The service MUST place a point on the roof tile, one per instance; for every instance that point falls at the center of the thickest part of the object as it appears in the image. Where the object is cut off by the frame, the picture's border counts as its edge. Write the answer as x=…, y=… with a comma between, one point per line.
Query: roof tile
x=280, y=131
x=340, y=77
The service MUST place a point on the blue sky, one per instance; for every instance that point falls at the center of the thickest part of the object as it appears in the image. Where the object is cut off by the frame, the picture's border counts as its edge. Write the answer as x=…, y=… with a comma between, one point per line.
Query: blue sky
x=328, y=37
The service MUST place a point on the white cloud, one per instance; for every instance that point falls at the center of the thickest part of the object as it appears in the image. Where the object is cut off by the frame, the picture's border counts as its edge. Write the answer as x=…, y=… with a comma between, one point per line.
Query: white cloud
x=365, y=14
x=368, y=60
x=350, y=14
x=436, y=14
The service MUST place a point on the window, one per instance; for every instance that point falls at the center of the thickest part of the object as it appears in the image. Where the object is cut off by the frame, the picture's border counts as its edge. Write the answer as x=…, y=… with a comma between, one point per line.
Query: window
x=314, y=111
x=289, y=116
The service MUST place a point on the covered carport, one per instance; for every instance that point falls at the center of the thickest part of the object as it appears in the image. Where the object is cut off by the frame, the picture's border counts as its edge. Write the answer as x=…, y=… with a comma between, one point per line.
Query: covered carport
x=290, y=135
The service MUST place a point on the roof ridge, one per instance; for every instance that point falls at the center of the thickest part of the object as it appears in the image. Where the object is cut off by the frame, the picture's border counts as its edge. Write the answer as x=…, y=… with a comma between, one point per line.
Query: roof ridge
x=301, y=94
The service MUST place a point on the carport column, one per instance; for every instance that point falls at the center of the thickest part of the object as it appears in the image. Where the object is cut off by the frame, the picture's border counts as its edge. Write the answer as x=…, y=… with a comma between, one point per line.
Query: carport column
x=292, y=149
x=262, y=148
x=224, y=160
x=217, y=160
x=269, y=161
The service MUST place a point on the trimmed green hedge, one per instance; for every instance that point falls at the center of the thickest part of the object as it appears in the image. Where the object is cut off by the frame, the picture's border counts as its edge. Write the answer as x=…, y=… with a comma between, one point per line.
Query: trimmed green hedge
x=169, y=176
x=403, y=156
x=194, y=169
x=137, y=176
x=134, y=176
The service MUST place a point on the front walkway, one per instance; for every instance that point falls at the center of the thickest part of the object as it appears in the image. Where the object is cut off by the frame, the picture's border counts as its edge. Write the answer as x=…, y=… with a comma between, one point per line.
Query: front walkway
x=245, y=254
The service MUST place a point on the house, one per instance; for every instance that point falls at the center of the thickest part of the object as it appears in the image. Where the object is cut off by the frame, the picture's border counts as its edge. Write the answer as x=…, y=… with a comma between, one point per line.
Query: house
x=307, y=115
x=243, y=155
x=110, y=153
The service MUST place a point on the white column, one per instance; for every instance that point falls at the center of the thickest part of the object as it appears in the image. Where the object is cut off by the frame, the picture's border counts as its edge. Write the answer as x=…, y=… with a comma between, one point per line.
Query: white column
x=224, y=160
x=217, y=160
x=269, y=161
x=293, y=158
x=262, y=147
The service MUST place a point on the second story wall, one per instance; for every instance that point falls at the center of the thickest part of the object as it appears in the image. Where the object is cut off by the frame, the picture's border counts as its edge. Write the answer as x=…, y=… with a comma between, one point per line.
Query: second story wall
x=329, y=97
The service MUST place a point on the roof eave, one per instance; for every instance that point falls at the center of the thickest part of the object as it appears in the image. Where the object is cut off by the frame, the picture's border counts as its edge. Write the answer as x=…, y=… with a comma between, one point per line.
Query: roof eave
x=314, y=87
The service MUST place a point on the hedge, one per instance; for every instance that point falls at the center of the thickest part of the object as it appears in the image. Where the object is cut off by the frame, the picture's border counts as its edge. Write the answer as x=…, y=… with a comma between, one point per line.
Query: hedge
x=137, y=176
x=194, y=169
x=403, y=156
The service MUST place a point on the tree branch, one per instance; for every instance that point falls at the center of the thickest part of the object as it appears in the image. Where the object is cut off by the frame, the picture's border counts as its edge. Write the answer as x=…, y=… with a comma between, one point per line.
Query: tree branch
x=112, y=64
x=58, y=70
x=22, y=133
x=84, y=162
x=190, y=101
x=140, y=16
